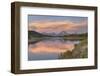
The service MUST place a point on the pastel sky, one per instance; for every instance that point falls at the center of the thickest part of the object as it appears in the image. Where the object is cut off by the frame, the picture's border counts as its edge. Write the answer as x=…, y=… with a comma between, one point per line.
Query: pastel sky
x=57, y=24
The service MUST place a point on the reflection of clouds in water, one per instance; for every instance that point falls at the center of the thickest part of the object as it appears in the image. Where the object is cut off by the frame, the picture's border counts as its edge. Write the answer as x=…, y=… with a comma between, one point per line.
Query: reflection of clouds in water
x=52, y=46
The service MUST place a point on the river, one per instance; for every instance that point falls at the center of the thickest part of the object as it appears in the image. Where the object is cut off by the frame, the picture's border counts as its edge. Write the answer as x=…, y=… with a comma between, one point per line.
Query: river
x=49, y=48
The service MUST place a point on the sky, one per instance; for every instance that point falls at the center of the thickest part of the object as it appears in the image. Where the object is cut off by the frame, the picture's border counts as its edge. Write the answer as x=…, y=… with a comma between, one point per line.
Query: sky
x=57, y=24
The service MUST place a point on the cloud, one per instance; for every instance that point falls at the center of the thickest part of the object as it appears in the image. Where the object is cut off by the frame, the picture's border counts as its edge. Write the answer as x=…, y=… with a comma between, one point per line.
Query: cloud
x=57, y=26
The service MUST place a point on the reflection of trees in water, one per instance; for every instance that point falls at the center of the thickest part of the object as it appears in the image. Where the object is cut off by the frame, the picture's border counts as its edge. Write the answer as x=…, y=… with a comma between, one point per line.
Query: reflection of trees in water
x=80, y=51
x=52, y=39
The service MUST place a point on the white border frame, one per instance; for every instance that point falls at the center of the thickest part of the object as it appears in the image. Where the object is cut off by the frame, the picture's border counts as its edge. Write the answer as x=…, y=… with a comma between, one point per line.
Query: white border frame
x=24, y=64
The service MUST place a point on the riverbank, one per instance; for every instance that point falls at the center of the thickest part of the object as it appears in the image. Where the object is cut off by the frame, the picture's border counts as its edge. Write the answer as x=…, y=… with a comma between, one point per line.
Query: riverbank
x=80, y=51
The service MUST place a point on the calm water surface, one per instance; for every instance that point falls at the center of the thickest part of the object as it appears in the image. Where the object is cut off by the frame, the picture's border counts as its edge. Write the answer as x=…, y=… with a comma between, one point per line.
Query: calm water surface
x=51, y=48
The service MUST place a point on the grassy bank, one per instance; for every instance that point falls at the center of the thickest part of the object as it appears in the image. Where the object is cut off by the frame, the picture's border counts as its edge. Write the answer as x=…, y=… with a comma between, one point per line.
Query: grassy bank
x=80, y=51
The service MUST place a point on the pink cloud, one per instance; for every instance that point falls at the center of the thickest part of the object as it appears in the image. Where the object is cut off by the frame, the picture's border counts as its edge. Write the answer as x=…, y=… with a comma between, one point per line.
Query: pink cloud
x=56, y=26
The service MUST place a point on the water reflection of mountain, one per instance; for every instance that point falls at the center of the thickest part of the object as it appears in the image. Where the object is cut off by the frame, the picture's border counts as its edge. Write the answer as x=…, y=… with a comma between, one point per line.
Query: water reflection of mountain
x=50, y=48
x=44, y=47
x=53, y=45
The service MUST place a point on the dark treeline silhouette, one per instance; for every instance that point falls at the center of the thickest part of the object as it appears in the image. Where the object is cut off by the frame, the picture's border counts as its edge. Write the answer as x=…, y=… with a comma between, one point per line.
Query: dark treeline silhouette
x=36, y=34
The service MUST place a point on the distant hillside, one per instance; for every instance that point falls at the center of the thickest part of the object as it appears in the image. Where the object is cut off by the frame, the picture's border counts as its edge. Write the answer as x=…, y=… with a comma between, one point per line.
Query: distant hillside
x=32, y=34
x=35, y=34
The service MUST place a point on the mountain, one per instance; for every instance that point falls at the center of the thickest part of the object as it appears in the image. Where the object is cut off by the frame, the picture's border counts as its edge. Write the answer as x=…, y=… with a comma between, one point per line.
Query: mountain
x=55, y=34
x=63, y=33
x=34, y=33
